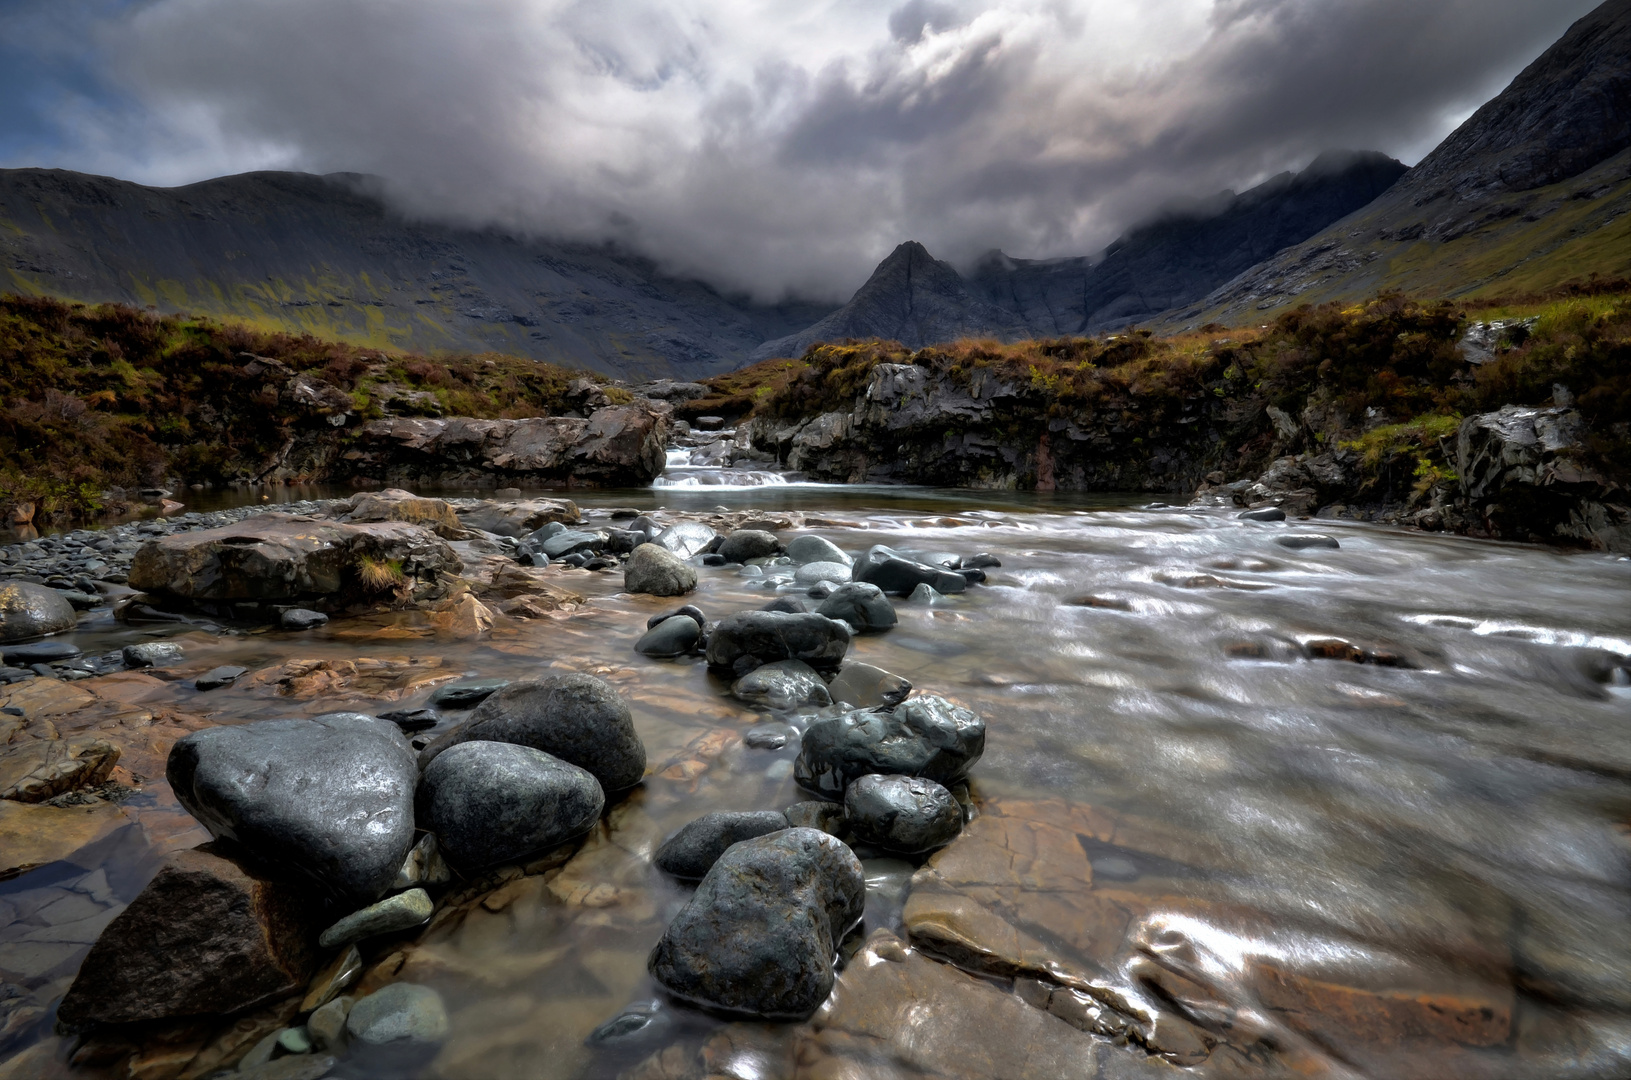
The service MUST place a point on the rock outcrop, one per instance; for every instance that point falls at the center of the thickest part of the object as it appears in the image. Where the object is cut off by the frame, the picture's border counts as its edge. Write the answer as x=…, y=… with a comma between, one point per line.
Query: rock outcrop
x=616, y=446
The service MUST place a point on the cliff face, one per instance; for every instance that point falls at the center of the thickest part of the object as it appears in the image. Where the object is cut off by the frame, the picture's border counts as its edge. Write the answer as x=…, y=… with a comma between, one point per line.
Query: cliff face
x=324, y=255
x=1531, y=192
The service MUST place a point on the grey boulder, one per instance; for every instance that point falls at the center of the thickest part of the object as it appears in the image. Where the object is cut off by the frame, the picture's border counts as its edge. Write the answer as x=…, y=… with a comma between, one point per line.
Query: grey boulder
x=898, y=575
x=760, y=934
x=330, y=799
x=494, y=802
x=397, y=1029
x=30, y=611
x=904, y=814
x=573, y=541
x=465, y=695
x=860, y=604
x=302, y=619
x=925, y=736
x=578, y=718
x=656, y=570
x=817, y=572
x=808, y=549
x=674, y=636
x=749, y=639
x=786, y=684
x=745, y=544
x=691, y=852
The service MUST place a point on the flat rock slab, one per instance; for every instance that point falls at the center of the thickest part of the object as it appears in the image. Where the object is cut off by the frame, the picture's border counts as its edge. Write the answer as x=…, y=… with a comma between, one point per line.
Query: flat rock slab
x=330, y=799
x=41, y=769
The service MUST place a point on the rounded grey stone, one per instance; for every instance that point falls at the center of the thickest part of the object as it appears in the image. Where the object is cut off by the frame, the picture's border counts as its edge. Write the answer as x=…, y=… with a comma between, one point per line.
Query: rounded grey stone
x=1271, y=513
x=400, y=1012
x=749, y=639
x=904, y=814
x=151, y=654
x=813, y=573
x=898, y=575
x=302, y=619
x=785, y=684
x=925, y=736
x=674, y=636
x=863, y=686
x=30, y=611
x=745, y=544
x=493, y=802
x=860, y=604
x=687, y=538
x=655, y=570
x=689, y=853
x=808, y=548
x=1308, y=540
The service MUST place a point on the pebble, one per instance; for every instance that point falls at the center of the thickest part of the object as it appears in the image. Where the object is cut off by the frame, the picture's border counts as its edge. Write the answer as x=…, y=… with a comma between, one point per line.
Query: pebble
x=326, y=1025
x=766, y=738
x=294, y=1040
x=400, y=912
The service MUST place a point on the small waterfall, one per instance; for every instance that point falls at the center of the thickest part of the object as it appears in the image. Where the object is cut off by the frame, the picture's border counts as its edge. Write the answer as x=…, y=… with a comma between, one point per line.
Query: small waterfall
x=679, y=472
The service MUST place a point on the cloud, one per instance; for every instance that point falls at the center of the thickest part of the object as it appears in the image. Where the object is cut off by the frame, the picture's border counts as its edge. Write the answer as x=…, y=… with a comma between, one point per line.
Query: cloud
x=784, y=148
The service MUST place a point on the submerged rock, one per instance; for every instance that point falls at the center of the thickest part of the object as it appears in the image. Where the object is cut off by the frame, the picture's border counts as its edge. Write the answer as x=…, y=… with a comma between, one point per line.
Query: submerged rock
x=687, y=538
x=330, y=799
x=208, y=935
x=759, y=936
x=818, y=814
x=1312, y=540
x=577, y=718
x=745, y=544
x=656, y=570
x=692, y=851
x=30, y=611
x=690, y=611
x=465, y=695
x=786, y=684
x=807, y=549
x=40, y=769
x=674, y=636
x=905, y=814
x=494, y=802
x=860, y=604
x=924, y=736
x=863, y=686
x=750, y=639
x=403, y=1021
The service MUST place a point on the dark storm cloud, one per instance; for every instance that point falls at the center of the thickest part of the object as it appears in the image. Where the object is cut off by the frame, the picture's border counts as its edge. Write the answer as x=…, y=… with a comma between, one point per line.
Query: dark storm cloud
x=780, y=147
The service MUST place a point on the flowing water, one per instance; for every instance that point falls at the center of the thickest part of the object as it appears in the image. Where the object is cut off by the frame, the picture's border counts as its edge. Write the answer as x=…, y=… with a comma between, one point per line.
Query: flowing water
x=1448, y=823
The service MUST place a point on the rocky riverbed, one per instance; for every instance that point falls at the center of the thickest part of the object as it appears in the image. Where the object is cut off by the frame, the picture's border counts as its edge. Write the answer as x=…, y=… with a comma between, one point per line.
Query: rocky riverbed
x=903, y=784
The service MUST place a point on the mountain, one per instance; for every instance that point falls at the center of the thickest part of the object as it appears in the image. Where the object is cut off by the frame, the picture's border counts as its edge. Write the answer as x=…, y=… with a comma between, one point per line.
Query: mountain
x=1176, y=259
x=1532, y=192
x=325, y=255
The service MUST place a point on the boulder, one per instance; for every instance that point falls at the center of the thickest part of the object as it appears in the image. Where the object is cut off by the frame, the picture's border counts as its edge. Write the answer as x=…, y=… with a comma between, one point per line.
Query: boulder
x=750, y=639
x=809, y=548
x=1268, y=513
x=745, y=544
x=573, y=542
x=759, y=936
x=656, y=570
x=691, y=852
x=330, y=799
x=687, y=538
x=494, y=802
x=520, y=518
x=786, y=684
x=41, y=769
x=924, y=736
x=577, y=718
x=151, y=654
x=860, y=604
x=862, y=686
x=270, y=557
x=674, y=636
x=898, y=575
x=904, y=814
x=688, y=610
x=817, y=572
x=207, y=935
x=30, y=611
x=394, y=504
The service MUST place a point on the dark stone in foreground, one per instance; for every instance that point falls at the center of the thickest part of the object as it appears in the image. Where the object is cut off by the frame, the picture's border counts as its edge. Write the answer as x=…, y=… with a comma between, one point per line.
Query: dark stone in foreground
x=760, y=934
x=750, y=639
x=492, y=802
x=577, y=718
x=29, y=611
x=691, y=852
x=862, y=605
x=905, y=814
x=926, y=736
x=206, y=936
x=330, y=799
x=674, y=636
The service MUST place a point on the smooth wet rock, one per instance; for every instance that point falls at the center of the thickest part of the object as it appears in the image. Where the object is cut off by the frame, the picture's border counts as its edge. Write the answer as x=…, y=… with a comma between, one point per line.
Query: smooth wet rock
x=655, y=570
x=981, y=561
x=807, y=549
x=30, y=611
x=744, y=544
x=863, y=686
x=403, y=911
x=818, y=814
x=924, y=736
x=573, y=542
x=1300, y=542
x=330, y=799
x=294, y=1040
x=151, y=654
x=786, y=684
x=519, y=519
x=302, y=619
x=691, y=852
x=690, y=611
x=208, y=935
x=672, y=637
x=767, y=737
x=411, y=720
x=642, y=1020
x=792, y=605
x=496, y=802
x=326, y=1025
x=577, y=718
x=40, y=652
x=687, y=538
x=898, y=575
x=465, y=695
x=1270, y=513
x=924, y=595
x=815, y=573
x=760, y=934
x=217, y=677
x=860, y=604
x=401, y=1013
x=904, y=814
x=750, y=639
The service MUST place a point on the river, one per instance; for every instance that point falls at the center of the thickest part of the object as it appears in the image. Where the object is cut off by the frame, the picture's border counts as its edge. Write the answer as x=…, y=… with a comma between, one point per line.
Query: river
x=1370, y=805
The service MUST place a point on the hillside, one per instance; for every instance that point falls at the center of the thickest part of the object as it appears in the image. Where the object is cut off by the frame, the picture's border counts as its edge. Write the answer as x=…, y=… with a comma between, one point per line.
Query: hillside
x=324, y=256
x=1532, y=192
x=917, y=300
